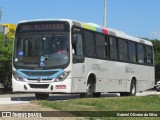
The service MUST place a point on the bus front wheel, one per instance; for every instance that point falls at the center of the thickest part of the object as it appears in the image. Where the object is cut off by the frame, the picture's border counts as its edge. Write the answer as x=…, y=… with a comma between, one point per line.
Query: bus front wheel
x=97, y=95
x=41, y=96
x=89, y=90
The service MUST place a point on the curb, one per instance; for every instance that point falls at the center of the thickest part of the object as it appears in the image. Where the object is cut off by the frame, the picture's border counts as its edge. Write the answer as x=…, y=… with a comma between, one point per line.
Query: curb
x=8, y=100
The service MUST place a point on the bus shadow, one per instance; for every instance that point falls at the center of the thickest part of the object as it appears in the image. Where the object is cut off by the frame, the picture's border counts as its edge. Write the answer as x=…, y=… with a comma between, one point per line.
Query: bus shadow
x=110, y=95
x=50, y=98
x=58, y=97
x=22, y=98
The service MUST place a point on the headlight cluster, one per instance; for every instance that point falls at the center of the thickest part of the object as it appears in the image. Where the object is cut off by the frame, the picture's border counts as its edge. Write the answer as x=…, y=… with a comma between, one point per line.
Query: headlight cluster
x=63, y=76
x=17, y=77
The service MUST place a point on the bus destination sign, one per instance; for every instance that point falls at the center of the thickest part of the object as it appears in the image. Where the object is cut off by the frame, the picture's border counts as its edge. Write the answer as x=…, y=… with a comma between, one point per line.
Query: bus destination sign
x=42, y=27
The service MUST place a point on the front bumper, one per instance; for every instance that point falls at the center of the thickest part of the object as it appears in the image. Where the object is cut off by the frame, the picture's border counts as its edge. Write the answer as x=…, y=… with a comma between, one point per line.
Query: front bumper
x=46, y=87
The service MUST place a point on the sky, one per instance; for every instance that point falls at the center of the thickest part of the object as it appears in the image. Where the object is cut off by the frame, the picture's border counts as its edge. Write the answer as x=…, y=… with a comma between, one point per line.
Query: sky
x=139, y=18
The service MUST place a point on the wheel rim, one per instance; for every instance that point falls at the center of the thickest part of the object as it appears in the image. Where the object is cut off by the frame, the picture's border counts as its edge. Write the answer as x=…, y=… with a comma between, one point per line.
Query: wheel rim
x=133, y=89
x=89, y=90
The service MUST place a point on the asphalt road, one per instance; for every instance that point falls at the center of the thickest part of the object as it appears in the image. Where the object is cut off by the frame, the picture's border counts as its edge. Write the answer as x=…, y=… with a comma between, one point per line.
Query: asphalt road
x=26, y=98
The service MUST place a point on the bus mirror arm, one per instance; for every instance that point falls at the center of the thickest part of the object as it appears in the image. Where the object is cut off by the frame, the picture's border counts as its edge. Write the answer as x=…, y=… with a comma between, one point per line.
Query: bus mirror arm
x=78, y=59
x=75, y=39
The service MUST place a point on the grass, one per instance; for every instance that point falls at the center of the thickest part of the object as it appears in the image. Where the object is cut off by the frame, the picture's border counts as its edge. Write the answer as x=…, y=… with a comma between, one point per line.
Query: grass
x=143, y=103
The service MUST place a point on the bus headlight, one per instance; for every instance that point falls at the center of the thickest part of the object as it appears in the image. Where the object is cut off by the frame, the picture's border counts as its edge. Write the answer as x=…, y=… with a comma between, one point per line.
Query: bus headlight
x=63, y=76
x=17, y=77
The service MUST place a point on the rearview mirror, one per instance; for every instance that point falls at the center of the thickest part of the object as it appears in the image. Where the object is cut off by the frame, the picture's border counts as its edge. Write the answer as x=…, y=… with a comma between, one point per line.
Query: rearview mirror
x=75, y=39
x=78, y=59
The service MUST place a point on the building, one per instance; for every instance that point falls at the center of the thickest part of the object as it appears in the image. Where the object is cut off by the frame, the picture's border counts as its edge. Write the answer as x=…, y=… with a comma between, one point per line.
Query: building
x=8, y=29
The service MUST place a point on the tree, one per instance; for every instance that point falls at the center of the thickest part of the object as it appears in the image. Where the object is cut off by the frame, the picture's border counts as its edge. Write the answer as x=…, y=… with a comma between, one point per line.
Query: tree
x=5, y=61
x=156, y=45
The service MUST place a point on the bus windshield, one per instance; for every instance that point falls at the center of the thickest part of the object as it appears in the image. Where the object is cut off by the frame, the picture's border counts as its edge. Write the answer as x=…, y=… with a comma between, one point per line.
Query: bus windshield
x=47, y=50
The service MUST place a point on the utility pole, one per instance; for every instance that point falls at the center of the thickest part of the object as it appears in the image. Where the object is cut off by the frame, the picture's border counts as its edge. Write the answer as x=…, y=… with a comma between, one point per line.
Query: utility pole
x=0, y=13
x=105, y=9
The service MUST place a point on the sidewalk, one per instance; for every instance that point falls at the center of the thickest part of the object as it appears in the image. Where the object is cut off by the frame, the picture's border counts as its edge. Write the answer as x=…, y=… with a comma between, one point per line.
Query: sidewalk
x=148, y=92
x=9, y=101
x=16, y=98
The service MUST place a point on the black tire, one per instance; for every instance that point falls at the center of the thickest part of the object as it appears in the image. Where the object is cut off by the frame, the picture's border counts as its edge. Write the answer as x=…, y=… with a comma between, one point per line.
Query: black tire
x=89, y=92
x=97, y=95
x=132, y=90
x=123, y=94
x=41, y=96
x=158, y=90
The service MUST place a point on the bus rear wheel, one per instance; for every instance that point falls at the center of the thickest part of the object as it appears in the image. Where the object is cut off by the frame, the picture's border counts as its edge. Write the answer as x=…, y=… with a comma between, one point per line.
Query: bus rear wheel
x=132, y=90
x=41, y=96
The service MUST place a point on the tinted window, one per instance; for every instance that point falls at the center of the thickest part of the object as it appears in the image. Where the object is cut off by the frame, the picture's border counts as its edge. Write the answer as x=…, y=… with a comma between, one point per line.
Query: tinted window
x=149, y=55
x=140, y=49
x=89, y=44
x=47, y=51
x=100, y=46
x=123, y=52
x=132, y=51
x=78, y=45
x=113, y=48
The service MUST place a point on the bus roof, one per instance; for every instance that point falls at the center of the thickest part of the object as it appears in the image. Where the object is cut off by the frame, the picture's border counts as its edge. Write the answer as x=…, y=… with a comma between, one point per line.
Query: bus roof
x=96, y=28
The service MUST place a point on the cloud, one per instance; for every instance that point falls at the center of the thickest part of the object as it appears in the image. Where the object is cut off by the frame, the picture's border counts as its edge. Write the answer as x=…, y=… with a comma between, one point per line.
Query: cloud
x=155, y=34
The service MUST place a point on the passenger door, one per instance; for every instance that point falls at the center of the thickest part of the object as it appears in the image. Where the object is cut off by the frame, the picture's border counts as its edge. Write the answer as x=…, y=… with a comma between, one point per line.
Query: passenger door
x=78, y=66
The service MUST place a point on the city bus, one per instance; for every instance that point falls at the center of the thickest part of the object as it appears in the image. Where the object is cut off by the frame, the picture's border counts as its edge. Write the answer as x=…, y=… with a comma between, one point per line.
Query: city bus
x=64, y=56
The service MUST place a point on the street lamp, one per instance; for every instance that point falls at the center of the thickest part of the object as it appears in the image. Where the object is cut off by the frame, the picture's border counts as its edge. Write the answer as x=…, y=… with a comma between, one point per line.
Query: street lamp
x=0, y=13
x=104, y=21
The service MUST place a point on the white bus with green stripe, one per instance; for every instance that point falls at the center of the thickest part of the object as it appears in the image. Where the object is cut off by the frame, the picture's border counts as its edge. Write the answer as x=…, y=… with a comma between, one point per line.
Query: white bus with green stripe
x=72, y=57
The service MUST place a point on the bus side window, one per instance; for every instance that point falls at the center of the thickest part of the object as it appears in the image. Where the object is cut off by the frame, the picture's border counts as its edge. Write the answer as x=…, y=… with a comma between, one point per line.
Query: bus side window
x=123, y=52
x=149, y=55
x=77, y=48
x=77, y=45
x=113, y=48
x=141, y=54
x=132, y=51
x=100, y=46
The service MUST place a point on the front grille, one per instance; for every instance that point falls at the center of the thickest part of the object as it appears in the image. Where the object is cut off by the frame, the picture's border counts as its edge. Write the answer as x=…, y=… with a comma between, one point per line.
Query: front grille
x=42, y=86
x=42, y=79
x=42, y=73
